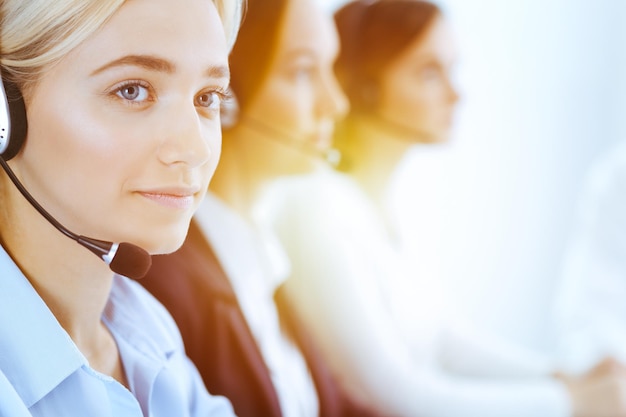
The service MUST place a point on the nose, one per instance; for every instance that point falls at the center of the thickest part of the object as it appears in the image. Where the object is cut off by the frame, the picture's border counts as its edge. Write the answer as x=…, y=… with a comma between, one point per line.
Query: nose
x=186, y=137
x=334, y=102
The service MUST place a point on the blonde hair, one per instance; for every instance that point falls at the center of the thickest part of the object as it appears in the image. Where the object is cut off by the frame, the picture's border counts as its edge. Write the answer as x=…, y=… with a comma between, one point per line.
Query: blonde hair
x=37, y=33
x=230, y=12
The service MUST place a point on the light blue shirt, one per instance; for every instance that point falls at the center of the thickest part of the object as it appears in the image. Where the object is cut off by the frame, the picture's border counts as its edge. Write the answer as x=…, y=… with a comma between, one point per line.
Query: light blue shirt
x=43, y=374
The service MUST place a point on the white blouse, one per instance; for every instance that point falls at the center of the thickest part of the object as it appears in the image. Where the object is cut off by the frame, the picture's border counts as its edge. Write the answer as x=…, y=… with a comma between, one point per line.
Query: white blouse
x=256, y=266
x=591, y=311
x=382, y=328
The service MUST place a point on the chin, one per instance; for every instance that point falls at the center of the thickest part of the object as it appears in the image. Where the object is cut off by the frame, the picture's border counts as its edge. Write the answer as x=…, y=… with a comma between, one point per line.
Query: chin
x=161, y=242
x=437, y=136
x=441, y=138
x=167, y=249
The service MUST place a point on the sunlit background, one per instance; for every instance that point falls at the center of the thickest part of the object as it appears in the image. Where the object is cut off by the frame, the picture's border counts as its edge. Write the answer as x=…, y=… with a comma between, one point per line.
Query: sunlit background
x=490, y=214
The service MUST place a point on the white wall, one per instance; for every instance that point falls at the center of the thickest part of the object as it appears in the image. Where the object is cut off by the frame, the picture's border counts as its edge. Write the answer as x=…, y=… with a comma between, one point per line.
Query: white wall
x=490, y=213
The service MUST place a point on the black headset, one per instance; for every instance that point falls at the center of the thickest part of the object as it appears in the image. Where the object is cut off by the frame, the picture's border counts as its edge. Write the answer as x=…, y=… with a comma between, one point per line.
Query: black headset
x=13, y=125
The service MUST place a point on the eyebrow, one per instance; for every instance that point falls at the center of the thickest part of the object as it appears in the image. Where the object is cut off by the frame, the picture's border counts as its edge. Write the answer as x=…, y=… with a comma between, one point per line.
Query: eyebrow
x=157, y=64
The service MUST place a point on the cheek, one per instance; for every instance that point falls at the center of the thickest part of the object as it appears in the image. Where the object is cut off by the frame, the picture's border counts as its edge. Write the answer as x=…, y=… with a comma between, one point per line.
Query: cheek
x=398, y=99
x=102, y=150
x=413, y=99
x=215, y=145
x=79, y=159
x=286, y=106
x=298, y=114
x=81, y=133
x=61, y=139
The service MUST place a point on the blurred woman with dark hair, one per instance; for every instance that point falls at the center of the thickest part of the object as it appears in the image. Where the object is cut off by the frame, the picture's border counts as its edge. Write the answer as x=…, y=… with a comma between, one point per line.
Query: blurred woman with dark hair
x=383, y=328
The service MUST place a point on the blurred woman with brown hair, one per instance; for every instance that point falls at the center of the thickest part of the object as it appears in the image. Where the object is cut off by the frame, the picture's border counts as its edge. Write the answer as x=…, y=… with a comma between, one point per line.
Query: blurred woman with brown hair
x=223, y=286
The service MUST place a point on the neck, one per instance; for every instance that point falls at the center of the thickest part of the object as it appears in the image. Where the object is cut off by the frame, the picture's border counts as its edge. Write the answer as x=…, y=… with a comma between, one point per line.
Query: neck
x=71, y=281
x=253, y=157
x=74, y=284
x=373, y=151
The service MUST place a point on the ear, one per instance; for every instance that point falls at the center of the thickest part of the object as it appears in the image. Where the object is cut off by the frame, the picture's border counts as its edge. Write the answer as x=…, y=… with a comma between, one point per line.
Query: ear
x=13, y=125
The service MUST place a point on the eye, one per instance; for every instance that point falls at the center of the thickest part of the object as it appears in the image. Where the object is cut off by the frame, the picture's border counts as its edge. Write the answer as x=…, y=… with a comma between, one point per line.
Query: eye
x=301, y=69
x=133, y=91
x=303, y=73
x=209, y=100
x=431, y=72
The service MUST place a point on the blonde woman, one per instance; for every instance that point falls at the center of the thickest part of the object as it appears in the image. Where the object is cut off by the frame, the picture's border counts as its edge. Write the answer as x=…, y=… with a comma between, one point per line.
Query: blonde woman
x=113, y=133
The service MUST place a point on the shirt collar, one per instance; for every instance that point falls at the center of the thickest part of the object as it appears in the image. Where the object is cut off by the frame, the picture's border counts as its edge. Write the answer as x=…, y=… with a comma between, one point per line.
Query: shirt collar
x=36, y=353
x=133, y=314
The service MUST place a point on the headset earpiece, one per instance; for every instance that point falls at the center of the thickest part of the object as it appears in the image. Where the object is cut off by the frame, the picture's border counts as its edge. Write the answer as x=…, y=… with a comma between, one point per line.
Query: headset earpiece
x=13, y=123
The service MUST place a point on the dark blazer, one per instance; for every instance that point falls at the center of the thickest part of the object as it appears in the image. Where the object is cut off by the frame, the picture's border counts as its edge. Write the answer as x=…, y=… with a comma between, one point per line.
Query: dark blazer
x=194, y=288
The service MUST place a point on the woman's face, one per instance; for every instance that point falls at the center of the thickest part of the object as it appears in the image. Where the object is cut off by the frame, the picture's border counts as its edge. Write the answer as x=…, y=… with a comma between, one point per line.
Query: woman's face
x=124, y=132
x=300, y=98
x=416, y=92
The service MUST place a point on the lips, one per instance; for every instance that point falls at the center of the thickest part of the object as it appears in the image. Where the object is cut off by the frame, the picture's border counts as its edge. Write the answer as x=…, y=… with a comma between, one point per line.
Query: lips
x=176, y=198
